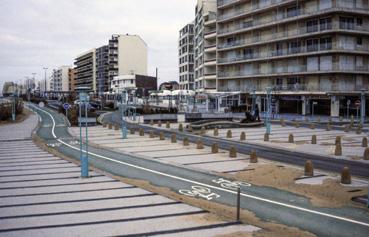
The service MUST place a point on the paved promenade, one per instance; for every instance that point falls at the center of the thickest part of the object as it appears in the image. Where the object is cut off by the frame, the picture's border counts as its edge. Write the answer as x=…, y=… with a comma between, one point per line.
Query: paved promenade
x=43, y=195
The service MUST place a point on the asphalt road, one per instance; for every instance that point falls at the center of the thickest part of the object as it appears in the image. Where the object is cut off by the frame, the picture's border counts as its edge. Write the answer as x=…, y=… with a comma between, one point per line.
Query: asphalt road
x=268, y=204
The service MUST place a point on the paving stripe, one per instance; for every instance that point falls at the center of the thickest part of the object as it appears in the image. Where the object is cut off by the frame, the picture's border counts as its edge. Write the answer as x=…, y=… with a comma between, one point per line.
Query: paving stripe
x=57, y=185
x=32, y=174
x=59, y=162
x=209, y=162
x=48, y=179
x=78, y=200
x=191, y=154
x=23, y=161
x=48, y=168
x=103, y=222
x=29, y=157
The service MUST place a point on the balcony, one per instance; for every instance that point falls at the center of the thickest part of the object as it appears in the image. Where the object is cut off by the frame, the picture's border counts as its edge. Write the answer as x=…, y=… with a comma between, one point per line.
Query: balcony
x=222, y=3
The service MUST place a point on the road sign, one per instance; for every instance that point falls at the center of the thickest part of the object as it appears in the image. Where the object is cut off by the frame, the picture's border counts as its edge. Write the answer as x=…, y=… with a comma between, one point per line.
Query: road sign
x=315, y=103
x=41, y=104
x=66, y=106
x=86, y=120
x=83, y=97
x=357, y=103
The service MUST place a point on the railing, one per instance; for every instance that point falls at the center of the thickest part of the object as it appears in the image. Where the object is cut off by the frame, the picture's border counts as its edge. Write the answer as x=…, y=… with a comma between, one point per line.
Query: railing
x=225, y=2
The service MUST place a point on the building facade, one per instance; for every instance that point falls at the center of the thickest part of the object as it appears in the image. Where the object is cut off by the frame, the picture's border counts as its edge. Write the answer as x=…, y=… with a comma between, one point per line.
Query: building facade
x=312, y=52
x=60, y=79
x=205, y=34
x=85, y=66
x=140, y=85
x=72, y=79
x=102, y=69
x=186, y=57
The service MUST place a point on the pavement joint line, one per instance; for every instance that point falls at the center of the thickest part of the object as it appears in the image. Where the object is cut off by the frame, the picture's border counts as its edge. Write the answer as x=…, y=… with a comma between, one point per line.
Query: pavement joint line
x=46, y=179
x=217, y=161
x=310, y=177
x=77, y=200
x=32, y=174
x=66, y=192
x=30, y=161
x=102, y=222
x=29, y=157
x=211, y=186
x=15, y=140
x=10, y=166
x=153, y=151
x=57, y=185
x=49, y=168
x=231, y=171
x=191, y=154
x=92, y=210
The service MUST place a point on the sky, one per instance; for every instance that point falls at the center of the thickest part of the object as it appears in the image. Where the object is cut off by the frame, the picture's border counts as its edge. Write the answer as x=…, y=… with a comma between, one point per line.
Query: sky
x=51, y=33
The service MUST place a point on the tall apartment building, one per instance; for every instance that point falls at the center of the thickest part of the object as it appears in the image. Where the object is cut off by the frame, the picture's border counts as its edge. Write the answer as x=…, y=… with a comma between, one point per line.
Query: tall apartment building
x=311, y=52
x=186, y=57
x=60, y=79
x=204, y=42
x=102, y=69
x=72, y=79
x=127, y=56
x=85, y=65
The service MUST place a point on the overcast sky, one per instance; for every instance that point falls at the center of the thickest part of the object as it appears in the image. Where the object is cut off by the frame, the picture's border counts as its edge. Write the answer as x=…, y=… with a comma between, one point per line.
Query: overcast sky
x=50, y=33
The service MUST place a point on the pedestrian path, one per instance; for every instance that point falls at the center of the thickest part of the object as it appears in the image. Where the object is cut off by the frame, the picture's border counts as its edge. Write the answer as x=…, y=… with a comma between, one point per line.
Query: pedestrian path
x=43, y=195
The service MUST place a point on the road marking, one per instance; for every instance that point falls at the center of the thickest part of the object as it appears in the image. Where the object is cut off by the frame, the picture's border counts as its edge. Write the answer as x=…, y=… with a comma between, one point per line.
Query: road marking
x=209, y=186
x=200, y=191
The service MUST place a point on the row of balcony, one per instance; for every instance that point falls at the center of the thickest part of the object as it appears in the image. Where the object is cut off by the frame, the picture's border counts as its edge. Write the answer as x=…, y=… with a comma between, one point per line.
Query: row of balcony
x=296, y=69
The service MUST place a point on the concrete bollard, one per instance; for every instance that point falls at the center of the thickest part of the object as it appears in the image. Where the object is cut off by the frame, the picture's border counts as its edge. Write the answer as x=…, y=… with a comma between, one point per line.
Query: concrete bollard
x=266, y=137
x=173, y=138
x=132, y=131
x=141, y=132
x=214, y=148
x=347, y=128
x=366, y=154
x=190, y=129
x=312, y=126
x=229, y=134
x=341, y=118
x=180, y=127
x=216, y=132
x=313, y=139
x=233, y=152
x=185, y=141
x=110, y=126
x=152, y=122
x=199, y=144
x=309, y=169
x=151, y=134
x=364, y=142
x=290, y=138
x=329, y=127
x=297, y=124
x=203, y=131
x=338, y=140
x=283, y=123
x=104, y=125
x=167, y=124
x=338, y=150
x=306, y=119
x=359, y=131
x=345, y=175
x=116, y=127
x=161, y=136
x=243, y=136
x=319, y=119
x=253, y=157
x=159, y=123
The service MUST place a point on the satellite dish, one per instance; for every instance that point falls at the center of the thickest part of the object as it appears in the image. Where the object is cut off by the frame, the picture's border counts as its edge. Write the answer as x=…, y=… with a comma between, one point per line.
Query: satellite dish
x=41, y=104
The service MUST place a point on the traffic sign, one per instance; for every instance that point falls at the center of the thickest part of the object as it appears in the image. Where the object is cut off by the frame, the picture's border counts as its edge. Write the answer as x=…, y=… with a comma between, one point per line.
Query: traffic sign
x=41, y=104
x=66, y=106
x=357, y=103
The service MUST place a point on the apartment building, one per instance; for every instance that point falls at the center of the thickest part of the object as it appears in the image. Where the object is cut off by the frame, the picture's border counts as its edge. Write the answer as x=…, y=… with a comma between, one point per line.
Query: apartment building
x=310, y=52
x=186, y=57
x=127, y=56
x=102, y=69
x=85, y=66
x=139, y=85
x=204, y=45
x=60, y=79
x=71, y=79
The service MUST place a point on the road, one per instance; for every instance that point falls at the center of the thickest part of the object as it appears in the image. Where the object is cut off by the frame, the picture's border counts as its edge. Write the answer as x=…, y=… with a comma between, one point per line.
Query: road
x=268, y=204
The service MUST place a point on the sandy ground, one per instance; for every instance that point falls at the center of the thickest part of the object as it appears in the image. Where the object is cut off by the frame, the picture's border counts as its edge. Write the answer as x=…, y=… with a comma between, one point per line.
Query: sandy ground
x=329, y=194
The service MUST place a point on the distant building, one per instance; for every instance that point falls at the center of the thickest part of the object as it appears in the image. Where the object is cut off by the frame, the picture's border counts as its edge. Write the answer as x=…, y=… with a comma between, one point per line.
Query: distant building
x=85, y=65
x=186, y=57
x=72, y=79
x=102, y=69
x=141, y=84
x=170, y=85
x=60, y=79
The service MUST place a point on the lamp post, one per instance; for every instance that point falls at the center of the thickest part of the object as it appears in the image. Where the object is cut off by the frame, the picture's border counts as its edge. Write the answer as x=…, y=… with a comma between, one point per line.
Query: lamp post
x=45, y=88
x=124, y=101
x=269, y=110
x=362, y=106
x=83, y=102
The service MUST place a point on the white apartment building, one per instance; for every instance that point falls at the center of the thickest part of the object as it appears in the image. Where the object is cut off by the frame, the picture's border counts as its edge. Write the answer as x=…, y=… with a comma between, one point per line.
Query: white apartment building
x=186, y=57
x=59, y=80
x=205, y=38
x=85, y=74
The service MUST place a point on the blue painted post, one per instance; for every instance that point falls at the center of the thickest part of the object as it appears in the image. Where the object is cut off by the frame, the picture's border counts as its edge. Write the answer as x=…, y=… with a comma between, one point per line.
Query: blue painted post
x=13, y=108
x=84, y=152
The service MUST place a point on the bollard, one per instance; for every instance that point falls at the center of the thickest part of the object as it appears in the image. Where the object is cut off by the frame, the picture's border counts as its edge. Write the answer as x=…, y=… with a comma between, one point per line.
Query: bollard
x=283, y=123
x=330, y=120
x=132, y=131
x=116, y=127
x=199, y=144
x=313, y=139
x=359, y=131
x=180, y=127
x=141, y=132
x=266, y=137
x=238, y=203
x=341, y=118
x=173, y=138
x=233, y=152
x=253, y=157
x=110, y=126
x=329, y=127
x=338, y=150
x=319, y=119
x=151, y=134
x=243, y=136
x=290, y=138
x=366, y=154
x=309, y=169
x=104, y=125
x=347, y=128
x=202, y=131
x=297, y=124
x=214, y=148
x=338, y=140
x=151, y=122
x=345, y=175
x=312, y=126
x=161, y=136
x=364, y=142
x=185, y=141
x=306, y=119
x=190, y=129
x=216, y=132
x=159, y=123
x=167, y=124
x=229, y=134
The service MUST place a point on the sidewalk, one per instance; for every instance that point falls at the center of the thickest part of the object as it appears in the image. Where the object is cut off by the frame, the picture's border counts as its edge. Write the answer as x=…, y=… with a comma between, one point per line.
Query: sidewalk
x=43, y=195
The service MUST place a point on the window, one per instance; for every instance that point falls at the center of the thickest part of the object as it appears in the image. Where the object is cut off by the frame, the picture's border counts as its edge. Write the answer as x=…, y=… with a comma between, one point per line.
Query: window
x=248, y=53
x=326, y=43
x=312, y=45
x=359, y=41
x=325, y=24
x=359, y=21
x=347, y=23
x=312, y=26
x=294, y=47
x=293, y=11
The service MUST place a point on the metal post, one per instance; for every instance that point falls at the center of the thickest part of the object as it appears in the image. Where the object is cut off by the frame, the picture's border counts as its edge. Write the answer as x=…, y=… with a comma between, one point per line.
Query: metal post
x=45, y=89
x=123, y=108
x=348, y=109
x=238, y=203
x=13, y=108
x=83, y=154
x=362, y=104
x=253, y=101
x=269, y=110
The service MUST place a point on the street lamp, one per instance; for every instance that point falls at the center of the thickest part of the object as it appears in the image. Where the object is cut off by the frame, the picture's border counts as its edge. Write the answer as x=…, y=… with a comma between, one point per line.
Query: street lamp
x=45, y=88
x=124, y=100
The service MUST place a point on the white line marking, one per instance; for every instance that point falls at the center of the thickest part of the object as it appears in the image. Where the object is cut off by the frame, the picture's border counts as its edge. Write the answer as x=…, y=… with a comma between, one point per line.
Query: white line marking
x=210, y=186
